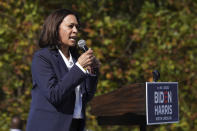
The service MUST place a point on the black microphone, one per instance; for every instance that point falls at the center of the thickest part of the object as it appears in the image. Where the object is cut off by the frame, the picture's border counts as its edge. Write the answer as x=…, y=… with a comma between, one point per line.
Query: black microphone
x=156, y=75
x=82, y=45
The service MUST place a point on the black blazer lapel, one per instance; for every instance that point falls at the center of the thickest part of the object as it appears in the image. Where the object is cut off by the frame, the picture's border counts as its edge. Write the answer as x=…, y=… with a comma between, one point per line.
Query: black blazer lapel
x=62, y=68
x=83, y=84
x=59, y=62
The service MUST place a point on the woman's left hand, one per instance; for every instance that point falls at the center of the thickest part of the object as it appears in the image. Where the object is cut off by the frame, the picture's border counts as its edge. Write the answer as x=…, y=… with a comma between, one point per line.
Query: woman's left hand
x=96, y=65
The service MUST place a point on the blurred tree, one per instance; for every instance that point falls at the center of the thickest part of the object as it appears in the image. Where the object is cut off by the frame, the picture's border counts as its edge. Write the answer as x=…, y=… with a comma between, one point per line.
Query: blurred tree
x=19, y=26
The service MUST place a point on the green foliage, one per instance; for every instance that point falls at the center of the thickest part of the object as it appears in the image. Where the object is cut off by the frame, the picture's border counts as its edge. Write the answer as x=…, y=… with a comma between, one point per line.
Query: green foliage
x=19, y=26
x=130, y=38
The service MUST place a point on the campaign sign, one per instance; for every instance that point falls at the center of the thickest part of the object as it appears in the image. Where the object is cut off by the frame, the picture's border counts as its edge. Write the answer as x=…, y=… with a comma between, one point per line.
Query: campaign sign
x=162, y=102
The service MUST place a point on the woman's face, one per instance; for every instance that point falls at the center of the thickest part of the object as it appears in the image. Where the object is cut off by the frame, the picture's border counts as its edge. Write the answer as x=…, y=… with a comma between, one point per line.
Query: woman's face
x=68, y=30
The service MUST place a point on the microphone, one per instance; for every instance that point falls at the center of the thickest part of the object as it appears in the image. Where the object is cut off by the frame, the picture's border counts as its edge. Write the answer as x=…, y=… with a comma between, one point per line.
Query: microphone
x=156, y=75
x=82, y=45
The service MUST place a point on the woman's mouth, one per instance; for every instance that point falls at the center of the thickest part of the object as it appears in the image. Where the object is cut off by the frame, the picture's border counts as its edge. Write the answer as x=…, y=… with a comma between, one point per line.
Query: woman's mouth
x=73, y=38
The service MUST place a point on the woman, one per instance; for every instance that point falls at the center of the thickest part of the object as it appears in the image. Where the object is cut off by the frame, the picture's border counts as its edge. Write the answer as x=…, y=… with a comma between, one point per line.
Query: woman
x=61, y=85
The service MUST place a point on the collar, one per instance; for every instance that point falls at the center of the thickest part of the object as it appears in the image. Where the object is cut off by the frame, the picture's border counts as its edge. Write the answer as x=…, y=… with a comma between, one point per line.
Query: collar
x=69, y=63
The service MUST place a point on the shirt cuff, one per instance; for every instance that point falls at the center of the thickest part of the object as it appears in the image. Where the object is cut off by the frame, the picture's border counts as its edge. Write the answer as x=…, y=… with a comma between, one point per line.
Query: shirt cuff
x=84, y=71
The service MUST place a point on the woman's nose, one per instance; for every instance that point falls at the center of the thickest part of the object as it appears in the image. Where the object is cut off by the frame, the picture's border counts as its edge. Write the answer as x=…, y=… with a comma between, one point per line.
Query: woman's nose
x=75, y=29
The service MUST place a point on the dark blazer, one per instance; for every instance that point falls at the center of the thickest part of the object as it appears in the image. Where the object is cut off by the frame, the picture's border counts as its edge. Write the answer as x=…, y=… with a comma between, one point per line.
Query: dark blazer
x=53, y=93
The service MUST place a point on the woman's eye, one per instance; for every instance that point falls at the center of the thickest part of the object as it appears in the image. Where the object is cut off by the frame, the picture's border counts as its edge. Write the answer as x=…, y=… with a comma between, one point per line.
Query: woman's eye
x=78, y=27
x=70, y=26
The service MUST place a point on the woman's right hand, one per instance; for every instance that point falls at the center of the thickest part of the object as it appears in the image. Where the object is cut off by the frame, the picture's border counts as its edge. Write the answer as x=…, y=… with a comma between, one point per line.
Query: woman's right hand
x=86, y=59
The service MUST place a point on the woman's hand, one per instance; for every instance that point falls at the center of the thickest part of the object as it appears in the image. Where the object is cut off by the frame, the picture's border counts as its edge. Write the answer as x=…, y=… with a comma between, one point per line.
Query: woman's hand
x=86, y=59
x=94, y=68
x=96, y=63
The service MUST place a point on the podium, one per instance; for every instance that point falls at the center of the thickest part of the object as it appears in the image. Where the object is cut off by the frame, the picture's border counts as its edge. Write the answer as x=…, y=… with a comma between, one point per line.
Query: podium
x=124, y=106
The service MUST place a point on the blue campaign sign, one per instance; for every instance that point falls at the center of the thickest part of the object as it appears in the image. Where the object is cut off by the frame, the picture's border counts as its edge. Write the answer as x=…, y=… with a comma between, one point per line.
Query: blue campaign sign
x=162, y=102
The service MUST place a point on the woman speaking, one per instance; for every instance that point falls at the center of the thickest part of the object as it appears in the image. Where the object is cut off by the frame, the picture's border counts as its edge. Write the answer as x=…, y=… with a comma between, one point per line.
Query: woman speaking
x=63, y=82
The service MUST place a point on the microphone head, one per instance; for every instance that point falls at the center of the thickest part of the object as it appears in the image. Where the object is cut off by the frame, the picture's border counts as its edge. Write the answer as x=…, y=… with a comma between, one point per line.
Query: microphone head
x=81, y=43
x=156, y=75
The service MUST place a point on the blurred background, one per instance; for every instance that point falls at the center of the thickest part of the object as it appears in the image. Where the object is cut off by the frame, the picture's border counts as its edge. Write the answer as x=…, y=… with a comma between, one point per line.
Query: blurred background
x=131, y=38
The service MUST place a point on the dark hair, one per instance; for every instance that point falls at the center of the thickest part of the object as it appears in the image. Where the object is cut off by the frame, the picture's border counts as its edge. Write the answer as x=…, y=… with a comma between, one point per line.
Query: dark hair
x=16, y=122
x=50, y=33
